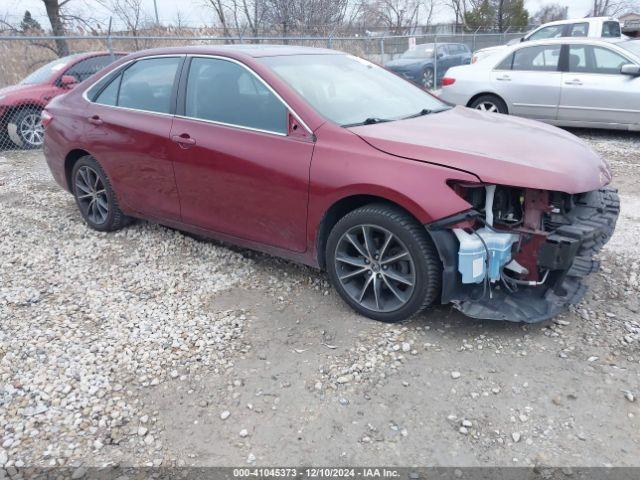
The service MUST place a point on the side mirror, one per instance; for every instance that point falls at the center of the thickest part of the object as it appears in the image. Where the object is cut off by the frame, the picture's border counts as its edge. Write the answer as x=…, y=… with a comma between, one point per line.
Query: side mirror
x=630, y=69
x=440, y=55
x=68, y=81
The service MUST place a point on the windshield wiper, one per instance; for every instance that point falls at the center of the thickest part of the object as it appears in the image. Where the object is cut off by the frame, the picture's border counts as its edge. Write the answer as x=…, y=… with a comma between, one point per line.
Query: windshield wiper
x=367, y=121
x=426, y=111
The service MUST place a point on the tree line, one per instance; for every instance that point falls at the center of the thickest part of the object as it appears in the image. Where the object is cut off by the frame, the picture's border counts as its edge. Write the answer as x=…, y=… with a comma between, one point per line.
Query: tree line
x=256, y=18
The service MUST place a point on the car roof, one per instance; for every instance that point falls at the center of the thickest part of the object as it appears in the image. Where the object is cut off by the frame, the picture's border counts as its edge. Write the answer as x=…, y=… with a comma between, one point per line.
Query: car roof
x=250, y=50
x=77, y=56
x=578, y=20
x=562, y=40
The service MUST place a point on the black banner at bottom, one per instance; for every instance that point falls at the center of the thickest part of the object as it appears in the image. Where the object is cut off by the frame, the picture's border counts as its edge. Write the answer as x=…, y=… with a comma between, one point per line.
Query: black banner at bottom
x=323, y=473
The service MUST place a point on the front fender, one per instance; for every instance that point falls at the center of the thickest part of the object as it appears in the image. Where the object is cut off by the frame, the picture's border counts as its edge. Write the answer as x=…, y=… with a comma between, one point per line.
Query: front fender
x=344, y=165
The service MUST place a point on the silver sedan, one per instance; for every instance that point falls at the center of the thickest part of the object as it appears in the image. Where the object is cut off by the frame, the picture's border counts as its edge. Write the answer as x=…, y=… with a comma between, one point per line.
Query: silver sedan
x=572, y=82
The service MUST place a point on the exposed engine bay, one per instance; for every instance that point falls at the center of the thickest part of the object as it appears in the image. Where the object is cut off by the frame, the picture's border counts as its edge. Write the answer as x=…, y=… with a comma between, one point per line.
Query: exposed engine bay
x=521, y=254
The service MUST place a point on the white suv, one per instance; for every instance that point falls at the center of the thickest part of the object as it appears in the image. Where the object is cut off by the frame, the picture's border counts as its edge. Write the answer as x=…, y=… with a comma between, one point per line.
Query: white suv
x=598, y=27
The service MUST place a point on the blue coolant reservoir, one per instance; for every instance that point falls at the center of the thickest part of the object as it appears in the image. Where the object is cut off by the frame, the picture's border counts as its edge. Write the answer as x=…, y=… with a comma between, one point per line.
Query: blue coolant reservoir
x=472, y=254
x=472, y=257
x=499, y=245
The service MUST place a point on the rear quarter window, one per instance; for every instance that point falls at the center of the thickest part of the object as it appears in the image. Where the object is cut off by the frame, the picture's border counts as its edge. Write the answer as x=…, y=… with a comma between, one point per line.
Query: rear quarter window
x=611, y=29
x=505, y=64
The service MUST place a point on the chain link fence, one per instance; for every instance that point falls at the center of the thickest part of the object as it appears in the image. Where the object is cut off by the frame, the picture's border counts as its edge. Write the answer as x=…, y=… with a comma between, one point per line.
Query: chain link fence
x=32, y=74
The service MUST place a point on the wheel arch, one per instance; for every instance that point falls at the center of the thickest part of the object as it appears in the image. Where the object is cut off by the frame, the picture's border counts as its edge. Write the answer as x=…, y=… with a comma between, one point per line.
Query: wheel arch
x=342, y=207
x=69, y=161
x=481, y=94
x=13, y=109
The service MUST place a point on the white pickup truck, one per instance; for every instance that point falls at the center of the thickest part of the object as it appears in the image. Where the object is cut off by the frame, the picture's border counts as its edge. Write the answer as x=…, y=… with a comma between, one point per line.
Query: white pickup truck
x=601, y=27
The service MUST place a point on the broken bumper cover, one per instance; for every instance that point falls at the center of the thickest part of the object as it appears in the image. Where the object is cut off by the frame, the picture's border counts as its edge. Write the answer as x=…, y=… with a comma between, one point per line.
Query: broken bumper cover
x=568, y=253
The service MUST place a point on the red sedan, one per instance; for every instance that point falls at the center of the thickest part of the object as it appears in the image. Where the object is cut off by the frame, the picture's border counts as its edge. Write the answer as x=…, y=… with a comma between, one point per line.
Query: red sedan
x=21, y=104
x=330, y=160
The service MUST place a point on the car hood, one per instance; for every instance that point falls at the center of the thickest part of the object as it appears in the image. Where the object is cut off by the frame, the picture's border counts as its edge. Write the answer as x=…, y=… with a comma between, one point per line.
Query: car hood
x=14, y=89
x=496, y=148
x=495, y=48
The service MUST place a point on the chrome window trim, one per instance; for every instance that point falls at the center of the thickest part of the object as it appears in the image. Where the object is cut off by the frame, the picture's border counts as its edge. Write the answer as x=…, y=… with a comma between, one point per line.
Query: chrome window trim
x=261, y=80
x=231, y=125
x=118, y=69
x=200, y=55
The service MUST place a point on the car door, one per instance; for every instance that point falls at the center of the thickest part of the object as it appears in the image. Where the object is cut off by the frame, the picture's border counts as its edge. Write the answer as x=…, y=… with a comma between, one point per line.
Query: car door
x=240, y=169
x=455, y=51
x=594, y=90
x=529, y=81
x=128, y=130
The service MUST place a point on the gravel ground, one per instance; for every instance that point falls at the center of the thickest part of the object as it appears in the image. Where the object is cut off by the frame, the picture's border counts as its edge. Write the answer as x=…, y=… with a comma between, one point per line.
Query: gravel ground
x=149, y=347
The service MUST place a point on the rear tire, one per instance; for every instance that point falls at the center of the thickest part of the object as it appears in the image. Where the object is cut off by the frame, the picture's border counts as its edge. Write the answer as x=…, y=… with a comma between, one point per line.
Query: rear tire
x=383, y=263
x=490, y=103
x=95, y=197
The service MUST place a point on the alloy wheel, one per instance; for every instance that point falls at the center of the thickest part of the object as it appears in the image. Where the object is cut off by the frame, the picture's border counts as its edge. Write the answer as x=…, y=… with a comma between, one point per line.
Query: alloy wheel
x=31, y=129
x=427, y=79
x=487, y=107
x=91, y=195
x=375, y=268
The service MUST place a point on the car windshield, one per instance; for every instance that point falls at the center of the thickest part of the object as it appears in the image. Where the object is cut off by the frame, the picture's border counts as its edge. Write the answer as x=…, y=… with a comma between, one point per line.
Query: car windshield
x=419, y=51
x=45, y=72
x=632, y=46
x=349, y=90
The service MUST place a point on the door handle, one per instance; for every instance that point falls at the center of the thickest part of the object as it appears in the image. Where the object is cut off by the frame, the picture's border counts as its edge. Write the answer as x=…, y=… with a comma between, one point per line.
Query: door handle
x=573, y=82
x=504, y=78
x=183, y=140
x=95, y=120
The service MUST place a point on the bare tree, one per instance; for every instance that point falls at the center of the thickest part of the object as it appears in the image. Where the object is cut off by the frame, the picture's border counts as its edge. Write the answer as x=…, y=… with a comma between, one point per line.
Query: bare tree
x=131, y=13
x=224, y=12
x=459, y=8
x=613, y=7
x=53, y=8
x=399, y=17
x=550, y=13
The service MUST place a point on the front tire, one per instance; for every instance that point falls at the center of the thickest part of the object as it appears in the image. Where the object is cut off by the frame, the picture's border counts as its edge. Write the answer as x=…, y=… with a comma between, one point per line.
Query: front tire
x=383, y=263
x=95, y=197
x=490, y=103
x=25, y=128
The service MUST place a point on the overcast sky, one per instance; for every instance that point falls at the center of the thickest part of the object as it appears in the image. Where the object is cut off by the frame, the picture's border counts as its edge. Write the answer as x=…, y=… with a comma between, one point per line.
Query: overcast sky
x=194, y=14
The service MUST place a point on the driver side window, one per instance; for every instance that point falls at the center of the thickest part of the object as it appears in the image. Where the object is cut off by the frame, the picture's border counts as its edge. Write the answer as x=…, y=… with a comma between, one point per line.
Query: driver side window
x=225, y=92
x=552, y=31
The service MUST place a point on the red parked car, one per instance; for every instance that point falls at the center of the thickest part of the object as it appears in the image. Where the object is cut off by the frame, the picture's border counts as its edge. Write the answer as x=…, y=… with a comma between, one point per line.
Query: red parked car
x=330, y=160
x=21, y=104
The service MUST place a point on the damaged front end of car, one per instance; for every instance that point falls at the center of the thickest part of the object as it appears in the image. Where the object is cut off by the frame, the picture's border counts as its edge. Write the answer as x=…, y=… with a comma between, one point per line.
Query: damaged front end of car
x=521, y=254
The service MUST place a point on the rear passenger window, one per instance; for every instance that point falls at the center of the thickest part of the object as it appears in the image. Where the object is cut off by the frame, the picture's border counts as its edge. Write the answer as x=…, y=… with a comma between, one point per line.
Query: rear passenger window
x=147, y=84
x=540, y=58
x=225, y=92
